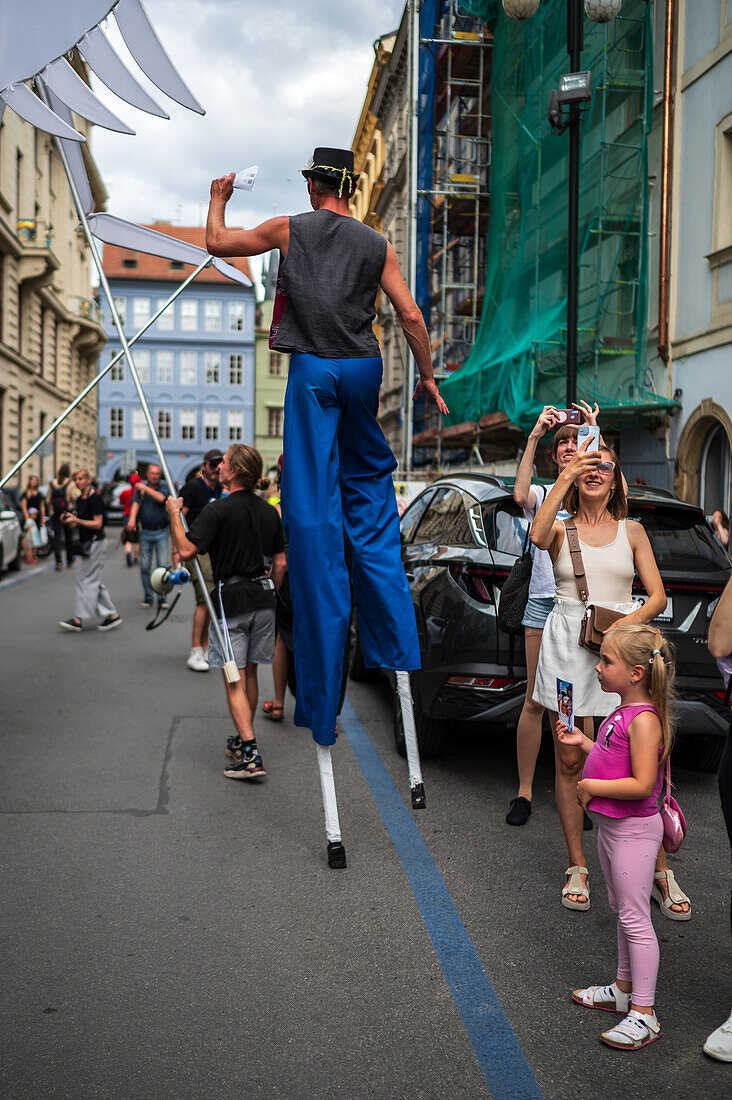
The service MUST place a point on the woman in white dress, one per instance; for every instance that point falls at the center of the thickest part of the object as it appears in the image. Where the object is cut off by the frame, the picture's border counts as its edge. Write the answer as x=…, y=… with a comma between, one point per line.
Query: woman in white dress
x=614, y=548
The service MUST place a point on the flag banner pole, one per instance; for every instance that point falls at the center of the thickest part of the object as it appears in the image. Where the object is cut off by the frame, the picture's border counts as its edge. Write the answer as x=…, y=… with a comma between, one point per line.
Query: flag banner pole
x=336, y=851
x=232, y=675
x=404, y=692
x=95, y=382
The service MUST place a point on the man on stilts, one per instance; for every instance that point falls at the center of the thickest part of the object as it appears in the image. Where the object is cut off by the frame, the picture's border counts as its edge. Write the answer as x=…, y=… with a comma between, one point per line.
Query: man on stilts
x=337, y=463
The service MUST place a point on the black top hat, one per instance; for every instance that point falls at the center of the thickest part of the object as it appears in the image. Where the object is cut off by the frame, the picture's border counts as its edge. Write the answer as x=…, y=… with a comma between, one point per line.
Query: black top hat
x=332, y=166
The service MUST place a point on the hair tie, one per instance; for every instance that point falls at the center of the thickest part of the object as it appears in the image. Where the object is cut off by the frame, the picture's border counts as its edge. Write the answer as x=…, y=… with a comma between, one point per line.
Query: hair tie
x=657, y=651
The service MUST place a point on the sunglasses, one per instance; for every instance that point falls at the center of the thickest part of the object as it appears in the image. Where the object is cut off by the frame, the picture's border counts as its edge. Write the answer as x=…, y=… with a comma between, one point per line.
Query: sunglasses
x=216, y=463
x=605, y=467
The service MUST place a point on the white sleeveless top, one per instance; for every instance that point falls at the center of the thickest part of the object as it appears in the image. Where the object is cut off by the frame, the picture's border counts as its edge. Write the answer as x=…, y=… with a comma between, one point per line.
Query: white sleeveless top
x=609, y=570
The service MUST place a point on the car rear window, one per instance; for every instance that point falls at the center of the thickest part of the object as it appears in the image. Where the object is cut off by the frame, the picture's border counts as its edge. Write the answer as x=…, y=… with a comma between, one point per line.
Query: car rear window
x=680, y=541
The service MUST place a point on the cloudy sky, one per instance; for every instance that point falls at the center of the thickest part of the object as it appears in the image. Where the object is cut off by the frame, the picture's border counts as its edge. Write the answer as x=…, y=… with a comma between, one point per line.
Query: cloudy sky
x=276, y=79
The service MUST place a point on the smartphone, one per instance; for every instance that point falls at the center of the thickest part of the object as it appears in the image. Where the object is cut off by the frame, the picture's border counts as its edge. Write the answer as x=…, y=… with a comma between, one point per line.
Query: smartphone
x=569, y=416
x=591, y=432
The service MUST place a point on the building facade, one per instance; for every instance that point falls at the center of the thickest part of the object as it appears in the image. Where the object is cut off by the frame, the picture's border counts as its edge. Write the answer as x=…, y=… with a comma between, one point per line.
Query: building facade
x=196, y=362
x=270, y=377
x=701, y=254
x=51, y=332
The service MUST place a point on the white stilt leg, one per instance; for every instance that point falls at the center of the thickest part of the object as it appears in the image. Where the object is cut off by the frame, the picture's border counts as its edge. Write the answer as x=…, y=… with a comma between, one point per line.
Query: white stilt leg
x=336, y=851
x=404, y=690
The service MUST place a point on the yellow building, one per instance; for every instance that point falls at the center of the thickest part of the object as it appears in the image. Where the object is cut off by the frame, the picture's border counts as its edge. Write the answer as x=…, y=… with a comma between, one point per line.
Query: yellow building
x=50, y=329
x=270, y=376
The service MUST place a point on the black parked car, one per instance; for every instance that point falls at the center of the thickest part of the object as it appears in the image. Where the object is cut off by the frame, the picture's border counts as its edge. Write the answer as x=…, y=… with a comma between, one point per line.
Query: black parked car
x=460, y=538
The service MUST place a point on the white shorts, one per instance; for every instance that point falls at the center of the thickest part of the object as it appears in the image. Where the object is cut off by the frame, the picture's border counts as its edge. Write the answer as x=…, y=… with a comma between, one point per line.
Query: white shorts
x=252, y=639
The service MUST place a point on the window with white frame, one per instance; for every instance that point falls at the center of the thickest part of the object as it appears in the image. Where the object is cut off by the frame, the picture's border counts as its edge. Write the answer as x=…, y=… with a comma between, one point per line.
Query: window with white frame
x=211, y=422
x=189, y=368
x=212, y=367
x=189, y=315
x=117, y=373
x=140, y=312
x=188, y=423
x=236, y=316
x=120, y=304
x=276, y=421
x=164, y=368
x=235, y=369
x=276, y=364
x=165, y=423
x=141, y=359
x=212, y=316
x=139, y=424
x=236, y=426
x=116, y=422
x=166, y=321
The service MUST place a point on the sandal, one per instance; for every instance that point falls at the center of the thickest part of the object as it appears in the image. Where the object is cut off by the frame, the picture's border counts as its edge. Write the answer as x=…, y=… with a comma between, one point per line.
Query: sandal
x=608, y=998
x=269, y=709
x=574, y=886
x=635, y=1031
x=676, y=896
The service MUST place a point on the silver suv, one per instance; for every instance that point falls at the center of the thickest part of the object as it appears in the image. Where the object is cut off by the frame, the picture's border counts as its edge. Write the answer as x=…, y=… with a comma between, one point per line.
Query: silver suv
x=11, y=537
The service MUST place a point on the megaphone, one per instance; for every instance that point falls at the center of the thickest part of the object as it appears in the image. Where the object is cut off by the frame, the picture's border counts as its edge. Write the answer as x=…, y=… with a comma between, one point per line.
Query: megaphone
x=163, y=579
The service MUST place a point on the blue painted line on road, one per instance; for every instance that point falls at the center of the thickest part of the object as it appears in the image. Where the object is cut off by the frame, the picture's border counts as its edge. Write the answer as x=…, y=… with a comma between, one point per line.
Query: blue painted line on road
x=501, y=1060
x=26, y=576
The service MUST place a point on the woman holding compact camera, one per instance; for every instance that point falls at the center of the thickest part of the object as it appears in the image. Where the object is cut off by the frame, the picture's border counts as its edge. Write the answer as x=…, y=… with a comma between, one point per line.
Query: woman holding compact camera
x=591, y=489
x=92, y=597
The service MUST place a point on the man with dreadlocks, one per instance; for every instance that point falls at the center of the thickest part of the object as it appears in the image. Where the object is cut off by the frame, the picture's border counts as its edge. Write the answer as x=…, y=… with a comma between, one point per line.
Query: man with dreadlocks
x=338, y=465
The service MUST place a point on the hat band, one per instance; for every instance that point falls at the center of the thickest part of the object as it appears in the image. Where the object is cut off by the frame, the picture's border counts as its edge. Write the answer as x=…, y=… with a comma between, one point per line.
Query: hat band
x=329, y=168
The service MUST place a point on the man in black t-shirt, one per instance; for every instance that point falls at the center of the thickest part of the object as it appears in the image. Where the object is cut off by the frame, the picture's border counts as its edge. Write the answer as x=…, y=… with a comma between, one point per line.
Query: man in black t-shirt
x=196, y=494
x=240, y=533
x=92, y=596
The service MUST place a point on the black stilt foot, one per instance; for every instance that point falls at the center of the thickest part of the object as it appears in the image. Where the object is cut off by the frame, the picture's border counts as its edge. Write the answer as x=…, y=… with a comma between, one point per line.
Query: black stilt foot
x=419, y=802
x=336, y=854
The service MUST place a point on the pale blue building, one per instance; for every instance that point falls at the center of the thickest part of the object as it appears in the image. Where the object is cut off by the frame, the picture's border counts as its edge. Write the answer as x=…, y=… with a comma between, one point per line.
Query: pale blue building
x=196, y=362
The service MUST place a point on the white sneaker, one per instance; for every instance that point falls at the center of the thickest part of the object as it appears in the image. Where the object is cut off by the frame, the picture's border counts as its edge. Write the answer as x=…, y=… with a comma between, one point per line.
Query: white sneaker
x=719, y=1043
x=197, y=662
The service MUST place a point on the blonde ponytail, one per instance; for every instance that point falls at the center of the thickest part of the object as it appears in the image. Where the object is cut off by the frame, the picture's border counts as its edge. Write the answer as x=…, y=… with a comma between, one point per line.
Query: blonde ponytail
x=644, y=645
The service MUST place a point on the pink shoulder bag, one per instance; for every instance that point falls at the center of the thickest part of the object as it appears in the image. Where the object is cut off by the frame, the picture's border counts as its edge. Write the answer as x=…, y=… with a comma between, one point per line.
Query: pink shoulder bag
x=674, y=822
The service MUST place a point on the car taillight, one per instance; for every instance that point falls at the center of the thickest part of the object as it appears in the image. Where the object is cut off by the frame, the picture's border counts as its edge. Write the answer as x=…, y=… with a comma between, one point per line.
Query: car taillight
x=495, y=683
x=475, y=580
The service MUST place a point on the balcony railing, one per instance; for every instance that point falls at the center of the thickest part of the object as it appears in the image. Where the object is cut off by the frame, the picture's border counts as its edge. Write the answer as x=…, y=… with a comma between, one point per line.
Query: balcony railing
x=88, y=308
x=35, y=231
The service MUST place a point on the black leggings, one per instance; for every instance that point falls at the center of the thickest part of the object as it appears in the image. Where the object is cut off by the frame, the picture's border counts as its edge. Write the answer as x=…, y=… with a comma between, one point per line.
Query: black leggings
x=725, y=793
x=62, y=536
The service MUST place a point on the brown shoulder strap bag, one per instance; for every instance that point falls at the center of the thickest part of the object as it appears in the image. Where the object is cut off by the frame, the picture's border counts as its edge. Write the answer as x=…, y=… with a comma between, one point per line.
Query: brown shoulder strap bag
x=597, y=619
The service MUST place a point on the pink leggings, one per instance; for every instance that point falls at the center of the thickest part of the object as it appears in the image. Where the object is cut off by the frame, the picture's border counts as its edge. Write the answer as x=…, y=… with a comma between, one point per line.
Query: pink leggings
x=628, y=847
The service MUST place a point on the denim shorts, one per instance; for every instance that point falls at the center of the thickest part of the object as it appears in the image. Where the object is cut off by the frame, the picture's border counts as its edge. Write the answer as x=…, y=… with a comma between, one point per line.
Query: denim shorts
x=537, y=611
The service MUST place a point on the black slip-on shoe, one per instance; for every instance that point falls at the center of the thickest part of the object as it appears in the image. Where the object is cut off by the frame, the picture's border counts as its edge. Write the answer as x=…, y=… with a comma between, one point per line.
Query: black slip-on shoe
x=519, y=811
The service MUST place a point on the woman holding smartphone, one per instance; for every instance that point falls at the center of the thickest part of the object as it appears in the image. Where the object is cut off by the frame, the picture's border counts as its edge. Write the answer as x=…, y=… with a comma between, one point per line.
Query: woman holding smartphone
x=592, y=489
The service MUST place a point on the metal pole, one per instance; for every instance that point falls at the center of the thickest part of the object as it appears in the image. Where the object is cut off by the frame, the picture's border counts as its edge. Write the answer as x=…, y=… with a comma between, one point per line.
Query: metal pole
x=413, y=169
x=574, y=49
x=231, y=673
x=87, y=389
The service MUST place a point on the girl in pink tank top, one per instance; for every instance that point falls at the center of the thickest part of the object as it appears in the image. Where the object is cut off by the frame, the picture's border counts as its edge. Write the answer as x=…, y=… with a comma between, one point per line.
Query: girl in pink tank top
x=621, y=783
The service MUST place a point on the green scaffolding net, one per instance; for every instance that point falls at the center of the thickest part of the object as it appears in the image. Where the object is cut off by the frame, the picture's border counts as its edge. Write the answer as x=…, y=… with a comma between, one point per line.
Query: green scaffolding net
x=518, y=361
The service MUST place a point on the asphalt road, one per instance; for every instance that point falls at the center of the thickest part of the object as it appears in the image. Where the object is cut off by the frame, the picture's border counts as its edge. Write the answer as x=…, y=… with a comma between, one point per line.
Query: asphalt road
x=171, y=933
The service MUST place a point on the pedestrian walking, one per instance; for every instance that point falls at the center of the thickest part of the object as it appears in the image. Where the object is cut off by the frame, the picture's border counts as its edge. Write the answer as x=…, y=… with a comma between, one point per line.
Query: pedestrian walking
x=196, y=494
x=34, y=516
x=274, y=709
x=542, y=589
x=239, y=532
x=719, y=1043
x=92, y=597
x=613, y=549
x=58, y=502
x=130, y=537
x=148, y=506
x=621, y=783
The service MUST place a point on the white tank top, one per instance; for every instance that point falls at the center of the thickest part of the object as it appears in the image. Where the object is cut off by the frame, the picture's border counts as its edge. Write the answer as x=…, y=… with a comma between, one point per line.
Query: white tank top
x=609, y=570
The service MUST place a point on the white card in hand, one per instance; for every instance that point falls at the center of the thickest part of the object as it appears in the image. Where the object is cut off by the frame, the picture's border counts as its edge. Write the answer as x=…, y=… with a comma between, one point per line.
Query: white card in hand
x=244, y=180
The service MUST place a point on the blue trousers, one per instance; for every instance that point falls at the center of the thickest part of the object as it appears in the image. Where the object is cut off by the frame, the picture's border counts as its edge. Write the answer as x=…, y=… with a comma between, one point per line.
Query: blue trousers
x=336, y=478
x=152, y=543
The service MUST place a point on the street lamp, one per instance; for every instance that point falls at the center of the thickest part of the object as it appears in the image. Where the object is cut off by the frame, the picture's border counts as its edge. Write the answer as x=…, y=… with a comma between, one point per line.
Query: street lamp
x=575, y=87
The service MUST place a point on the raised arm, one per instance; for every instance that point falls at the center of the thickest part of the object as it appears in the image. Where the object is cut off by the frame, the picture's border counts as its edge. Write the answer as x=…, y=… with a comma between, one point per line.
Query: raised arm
x=522, y=491
x=412, y=322
x=546, y=534
x=220, y=241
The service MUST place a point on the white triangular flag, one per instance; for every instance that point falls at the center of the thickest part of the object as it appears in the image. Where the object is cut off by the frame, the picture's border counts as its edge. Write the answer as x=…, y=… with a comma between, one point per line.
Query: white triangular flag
x=244, y=180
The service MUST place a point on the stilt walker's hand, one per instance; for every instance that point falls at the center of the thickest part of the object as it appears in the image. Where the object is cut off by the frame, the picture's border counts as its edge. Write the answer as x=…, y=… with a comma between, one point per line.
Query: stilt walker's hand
x=428, y=388
x=223, y=187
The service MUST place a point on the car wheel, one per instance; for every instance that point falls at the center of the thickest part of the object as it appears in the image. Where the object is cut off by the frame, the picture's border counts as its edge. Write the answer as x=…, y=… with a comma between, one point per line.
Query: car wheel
x=14, y=566
x=698, y=754
x=357, y=670
x=430, y=731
